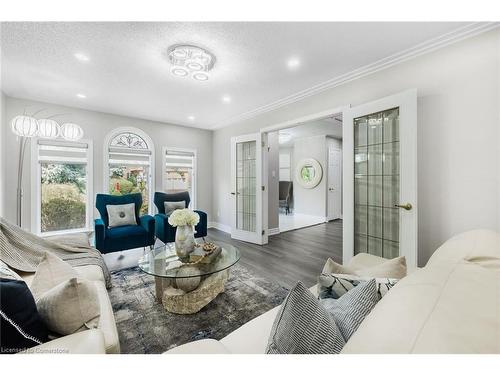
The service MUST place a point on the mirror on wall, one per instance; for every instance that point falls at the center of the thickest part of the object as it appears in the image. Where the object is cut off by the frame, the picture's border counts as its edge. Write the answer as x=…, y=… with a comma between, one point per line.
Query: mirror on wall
x=308, y=173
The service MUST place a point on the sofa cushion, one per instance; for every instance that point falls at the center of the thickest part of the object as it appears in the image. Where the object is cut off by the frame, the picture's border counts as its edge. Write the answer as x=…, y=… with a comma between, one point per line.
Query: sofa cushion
x=467, y=246
x=350, y=310
x=206, y=346
x=304, y=326
x=70, y=307
x=21, y=325
x=85, y=342
x=107, y=323
x=51, y=271
x=8, y=273
x=442, y=308
x=126, y=231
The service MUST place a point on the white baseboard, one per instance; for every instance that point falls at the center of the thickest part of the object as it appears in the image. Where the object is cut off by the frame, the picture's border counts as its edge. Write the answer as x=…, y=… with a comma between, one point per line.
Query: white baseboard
x=273, y=231
x=220, y=226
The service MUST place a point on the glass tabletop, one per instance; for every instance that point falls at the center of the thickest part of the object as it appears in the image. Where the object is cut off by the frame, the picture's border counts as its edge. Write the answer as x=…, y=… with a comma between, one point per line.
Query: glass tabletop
x=163, y=261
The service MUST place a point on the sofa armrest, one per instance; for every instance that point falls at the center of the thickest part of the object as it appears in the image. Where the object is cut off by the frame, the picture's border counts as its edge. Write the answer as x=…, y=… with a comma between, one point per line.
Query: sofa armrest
x=164, y=231
x=148, y=223
x=100, y=233
x=85, y=342
x=206, y=346
x=201, y=227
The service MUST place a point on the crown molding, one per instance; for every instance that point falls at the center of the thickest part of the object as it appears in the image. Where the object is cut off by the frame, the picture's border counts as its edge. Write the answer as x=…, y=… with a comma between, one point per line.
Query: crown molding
x=387, y=62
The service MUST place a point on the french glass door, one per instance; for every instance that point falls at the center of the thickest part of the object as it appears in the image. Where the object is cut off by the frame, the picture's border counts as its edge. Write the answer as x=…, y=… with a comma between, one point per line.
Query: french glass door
x=380, y=216
x=246, y=191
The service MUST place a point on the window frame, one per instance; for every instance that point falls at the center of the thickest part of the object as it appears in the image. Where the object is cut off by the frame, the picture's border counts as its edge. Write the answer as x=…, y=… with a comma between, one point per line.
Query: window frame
x=107, y=140
x=194, y=151
x=36, y=188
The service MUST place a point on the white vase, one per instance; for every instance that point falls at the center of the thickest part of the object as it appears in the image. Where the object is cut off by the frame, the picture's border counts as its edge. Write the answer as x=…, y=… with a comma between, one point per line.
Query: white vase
x=184, y=241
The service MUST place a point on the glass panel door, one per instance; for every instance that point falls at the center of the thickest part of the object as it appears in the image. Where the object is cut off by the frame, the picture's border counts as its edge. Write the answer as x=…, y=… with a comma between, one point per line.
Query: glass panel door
x=376, y=184
x=245, y=186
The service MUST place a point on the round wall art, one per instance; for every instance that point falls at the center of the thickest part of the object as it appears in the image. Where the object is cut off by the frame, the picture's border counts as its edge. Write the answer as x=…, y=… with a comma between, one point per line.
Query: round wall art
x=308, y=173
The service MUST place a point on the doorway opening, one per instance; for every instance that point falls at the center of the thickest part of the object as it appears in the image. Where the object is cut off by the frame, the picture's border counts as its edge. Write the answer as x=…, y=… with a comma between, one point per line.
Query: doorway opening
x=304, y=174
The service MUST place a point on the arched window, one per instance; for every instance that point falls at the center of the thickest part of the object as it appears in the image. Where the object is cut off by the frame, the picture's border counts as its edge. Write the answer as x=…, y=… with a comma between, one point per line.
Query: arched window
x=129, y=157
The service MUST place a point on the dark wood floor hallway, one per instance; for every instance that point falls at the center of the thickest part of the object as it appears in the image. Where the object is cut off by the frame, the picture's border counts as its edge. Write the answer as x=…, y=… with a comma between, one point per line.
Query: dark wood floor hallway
x=291, y=256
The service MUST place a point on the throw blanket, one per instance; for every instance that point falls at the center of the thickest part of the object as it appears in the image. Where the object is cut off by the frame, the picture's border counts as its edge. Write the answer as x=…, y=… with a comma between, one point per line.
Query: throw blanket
x=23, y=250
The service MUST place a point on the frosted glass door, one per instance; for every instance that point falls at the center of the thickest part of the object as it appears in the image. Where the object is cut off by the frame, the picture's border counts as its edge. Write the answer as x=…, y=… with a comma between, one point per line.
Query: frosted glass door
x=376, y=184
x=245, y=186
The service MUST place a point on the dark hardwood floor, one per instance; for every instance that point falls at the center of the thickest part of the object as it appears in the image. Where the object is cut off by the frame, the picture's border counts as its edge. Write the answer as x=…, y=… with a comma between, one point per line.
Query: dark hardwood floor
x=291, y=256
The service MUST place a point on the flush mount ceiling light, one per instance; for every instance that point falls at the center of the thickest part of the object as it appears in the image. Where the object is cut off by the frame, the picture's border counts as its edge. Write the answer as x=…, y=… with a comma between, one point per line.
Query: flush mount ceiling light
x=81, y=57
x=188, y=60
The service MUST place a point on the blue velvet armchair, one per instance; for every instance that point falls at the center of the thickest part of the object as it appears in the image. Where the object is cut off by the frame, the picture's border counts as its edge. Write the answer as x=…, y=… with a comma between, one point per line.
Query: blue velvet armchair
x=108, y=240
x=164, y=231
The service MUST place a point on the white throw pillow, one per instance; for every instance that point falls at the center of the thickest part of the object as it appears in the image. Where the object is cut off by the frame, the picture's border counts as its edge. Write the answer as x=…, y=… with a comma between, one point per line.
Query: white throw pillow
x=172, y=206
x=391, y=268
x=121, y=214
x=51, y=271
x=70, y=307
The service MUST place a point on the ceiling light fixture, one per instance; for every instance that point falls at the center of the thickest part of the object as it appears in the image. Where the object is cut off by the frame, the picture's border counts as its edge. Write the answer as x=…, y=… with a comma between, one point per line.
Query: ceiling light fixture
x=293, y=63
x=188, y=60
x=226, y=99
x=81, y=57
x=191, y=118
x=81, y=96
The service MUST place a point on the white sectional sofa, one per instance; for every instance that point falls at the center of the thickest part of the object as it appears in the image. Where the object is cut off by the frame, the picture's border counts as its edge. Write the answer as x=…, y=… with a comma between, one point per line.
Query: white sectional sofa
x=95, y=341
x=452, y=305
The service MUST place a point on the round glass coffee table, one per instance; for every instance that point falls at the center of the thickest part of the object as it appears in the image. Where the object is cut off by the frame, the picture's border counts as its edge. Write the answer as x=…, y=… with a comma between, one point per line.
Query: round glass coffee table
x=185, y=288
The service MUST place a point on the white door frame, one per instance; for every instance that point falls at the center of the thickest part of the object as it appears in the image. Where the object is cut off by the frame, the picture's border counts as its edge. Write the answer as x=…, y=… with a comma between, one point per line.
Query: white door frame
x=329, y=215
x=285, y=125
x=407, y=103
x=255, y=237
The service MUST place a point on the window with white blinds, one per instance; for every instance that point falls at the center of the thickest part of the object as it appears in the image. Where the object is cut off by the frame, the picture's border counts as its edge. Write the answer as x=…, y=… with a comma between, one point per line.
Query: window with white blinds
x=63, y=192
x=179, y=172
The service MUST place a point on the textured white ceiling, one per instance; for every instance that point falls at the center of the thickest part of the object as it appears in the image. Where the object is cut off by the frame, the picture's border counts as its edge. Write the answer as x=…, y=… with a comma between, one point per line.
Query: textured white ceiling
x=128, y=72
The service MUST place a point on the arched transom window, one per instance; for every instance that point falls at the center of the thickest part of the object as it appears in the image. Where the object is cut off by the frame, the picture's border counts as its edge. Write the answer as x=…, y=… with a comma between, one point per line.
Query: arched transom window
x=129, y=160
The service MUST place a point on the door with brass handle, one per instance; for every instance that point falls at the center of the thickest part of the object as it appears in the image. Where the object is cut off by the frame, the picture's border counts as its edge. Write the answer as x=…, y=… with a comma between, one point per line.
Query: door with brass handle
x=406, y=206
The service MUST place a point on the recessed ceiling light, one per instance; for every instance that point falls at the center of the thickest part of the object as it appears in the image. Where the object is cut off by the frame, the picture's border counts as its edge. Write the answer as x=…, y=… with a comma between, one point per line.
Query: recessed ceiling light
x=293, y=63
x=226, y=99
x=191, y=118
x=81, y=96
x=81, y=57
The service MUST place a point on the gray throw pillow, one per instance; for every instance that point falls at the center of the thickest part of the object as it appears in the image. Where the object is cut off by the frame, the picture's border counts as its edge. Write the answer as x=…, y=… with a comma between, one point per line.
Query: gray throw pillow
x=70, y=307
x=172, y=206
x=121, y=214
x=350, y=309
x=303, y=326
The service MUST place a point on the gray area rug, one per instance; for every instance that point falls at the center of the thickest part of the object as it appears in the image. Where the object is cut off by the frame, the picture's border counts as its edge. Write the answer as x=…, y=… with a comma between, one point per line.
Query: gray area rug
x=144, y=326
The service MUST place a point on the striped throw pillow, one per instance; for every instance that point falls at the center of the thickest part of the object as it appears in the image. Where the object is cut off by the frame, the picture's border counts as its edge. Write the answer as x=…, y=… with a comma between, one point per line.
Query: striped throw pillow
x=303, y=326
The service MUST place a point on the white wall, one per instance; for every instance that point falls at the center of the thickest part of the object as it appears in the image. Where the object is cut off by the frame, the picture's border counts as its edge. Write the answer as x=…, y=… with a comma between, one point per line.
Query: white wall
x=96, y=126
x=458, y=135
x=310, y=201
x=3, y=129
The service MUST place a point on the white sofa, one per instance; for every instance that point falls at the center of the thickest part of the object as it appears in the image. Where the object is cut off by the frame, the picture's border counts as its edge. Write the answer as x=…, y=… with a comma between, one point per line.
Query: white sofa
x=95, y=341
x=452, y=305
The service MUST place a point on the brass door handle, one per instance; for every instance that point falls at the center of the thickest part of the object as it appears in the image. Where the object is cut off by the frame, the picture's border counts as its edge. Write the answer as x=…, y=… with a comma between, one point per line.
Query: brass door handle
x=406, y=206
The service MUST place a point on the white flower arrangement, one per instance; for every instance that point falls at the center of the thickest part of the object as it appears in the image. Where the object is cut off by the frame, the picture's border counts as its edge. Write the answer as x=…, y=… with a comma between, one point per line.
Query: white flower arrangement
x=183, y=217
